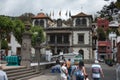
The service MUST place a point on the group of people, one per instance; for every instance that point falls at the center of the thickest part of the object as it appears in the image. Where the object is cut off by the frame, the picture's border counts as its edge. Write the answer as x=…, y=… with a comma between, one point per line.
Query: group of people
x=78, y=71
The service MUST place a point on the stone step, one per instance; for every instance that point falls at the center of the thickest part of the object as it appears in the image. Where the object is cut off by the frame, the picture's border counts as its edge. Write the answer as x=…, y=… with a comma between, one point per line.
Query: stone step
x=29, y=77
x=17, y=77
x=9, y=71
x=21, y=72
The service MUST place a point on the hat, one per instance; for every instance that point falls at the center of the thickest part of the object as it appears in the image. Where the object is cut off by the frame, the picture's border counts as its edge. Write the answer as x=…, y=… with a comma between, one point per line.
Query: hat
x=96, y=61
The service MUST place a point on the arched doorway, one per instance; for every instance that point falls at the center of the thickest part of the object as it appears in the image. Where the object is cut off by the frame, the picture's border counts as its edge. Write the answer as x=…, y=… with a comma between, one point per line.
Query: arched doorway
x=81, y=52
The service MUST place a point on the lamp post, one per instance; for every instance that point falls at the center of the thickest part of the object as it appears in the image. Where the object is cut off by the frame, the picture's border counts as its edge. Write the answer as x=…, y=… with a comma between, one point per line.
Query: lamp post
x=38, y=53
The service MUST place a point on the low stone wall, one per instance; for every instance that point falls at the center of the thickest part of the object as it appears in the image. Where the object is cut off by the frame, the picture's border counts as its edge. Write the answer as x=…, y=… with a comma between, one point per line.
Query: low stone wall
x=45, y=66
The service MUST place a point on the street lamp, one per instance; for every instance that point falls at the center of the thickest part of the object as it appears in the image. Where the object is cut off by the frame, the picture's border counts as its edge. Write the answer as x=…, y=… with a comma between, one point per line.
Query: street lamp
x=38, y=53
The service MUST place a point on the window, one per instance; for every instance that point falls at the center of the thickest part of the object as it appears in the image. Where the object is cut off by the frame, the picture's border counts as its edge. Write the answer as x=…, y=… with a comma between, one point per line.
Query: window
x=52, y=39
x=37, y=22
x=102, y=26
x=59, y=38
x=80, y=38
x=66, y=38
x=42, y=23
x=77, y=22
x=83, y=21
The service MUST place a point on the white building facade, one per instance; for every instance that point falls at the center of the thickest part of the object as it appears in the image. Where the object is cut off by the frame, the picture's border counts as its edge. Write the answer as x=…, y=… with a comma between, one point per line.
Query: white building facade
x=61, y=37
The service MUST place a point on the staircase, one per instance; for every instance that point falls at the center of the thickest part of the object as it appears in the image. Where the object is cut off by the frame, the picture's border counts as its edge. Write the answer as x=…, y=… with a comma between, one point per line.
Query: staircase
x=22, y=73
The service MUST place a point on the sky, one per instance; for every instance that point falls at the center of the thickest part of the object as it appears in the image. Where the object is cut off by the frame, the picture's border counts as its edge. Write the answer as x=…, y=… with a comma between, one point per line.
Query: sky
x=18, y=7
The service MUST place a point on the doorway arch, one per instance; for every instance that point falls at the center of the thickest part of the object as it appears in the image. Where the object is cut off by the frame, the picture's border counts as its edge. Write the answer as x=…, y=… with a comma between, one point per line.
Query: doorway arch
x=81, y=52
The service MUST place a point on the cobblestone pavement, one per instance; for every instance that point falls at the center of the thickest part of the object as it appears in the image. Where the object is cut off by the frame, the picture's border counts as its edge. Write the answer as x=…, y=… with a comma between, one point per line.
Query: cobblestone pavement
x=109, y=72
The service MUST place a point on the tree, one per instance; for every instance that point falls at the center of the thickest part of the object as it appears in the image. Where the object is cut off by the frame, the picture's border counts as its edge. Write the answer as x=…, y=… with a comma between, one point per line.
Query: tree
x=4, y=44
x=101, y=34
x=117, y=4
x=26, y=17
x=6, y=26
x=18, y=30
x=37, y=31
x=107, y=11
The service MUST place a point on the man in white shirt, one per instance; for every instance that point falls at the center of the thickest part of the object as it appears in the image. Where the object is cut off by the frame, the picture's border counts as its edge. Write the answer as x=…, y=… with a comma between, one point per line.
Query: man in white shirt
x=97, y=71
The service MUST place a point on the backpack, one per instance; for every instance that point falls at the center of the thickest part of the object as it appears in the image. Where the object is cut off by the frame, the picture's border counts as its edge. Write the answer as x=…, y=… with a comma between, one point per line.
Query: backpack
x=96, y=70
x=79, y=75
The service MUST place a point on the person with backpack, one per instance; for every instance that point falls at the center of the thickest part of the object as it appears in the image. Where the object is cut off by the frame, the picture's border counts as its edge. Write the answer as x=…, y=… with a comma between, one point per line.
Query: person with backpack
x=79, y=73
x=97, y=71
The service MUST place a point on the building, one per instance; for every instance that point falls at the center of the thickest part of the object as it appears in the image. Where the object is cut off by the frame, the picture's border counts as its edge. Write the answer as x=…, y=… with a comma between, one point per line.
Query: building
x=118, y=49
x=104, y=50
x=103, y=23
x=15, y=47
x=60, y=37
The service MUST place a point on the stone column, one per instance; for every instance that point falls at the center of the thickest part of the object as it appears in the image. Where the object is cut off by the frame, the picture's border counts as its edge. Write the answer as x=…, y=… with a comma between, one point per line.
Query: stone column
x=26, y=49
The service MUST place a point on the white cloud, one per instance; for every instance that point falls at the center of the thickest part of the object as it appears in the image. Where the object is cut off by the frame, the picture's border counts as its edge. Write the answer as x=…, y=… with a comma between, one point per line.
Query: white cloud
x=18, y=7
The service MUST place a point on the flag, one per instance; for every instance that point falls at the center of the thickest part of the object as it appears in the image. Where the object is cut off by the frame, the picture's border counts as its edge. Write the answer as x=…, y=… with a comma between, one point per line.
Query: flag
x=50, y=14
x=69, y=13
x=66, y=13
x=53, y=13
x=60, y=13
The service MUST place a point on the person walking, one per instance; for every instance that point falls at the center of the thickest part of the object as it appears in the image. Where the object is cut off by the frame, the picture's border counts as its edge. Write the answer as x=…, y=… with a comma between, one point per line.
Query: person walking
x=68, y=63
x=81, y=63
x=79, y=72
x=64, y=71
x=97, y=71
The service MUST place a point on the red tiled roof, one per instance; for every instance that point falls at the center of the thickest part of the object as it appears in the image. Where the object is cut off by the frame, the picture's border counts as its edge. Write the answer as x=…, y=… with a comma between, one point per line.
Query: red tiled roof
x=81, y=14
x=41, y=16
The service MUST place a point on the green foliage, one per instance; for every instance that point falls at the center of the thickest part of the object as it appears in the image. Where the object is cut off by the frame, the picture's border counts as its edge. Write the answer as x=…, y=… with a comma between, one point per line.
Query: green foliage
x=108, y=31
x=4, y=44
x=17, y=27
x=108, y=10
x=118, y=4
x=18, y=30
x=37, y=32
x=6, y=26
x=101, y=34
x=26, y=17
